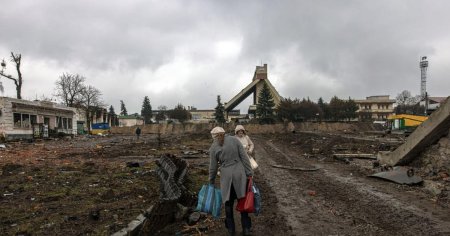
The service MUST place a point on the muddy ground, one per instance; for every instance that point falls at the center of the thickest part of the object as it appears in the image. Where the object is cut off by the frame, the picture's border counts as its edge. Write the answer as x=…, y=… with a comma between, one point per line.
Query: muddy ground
x=83, y=186
x=339, y=198
x=89, y=185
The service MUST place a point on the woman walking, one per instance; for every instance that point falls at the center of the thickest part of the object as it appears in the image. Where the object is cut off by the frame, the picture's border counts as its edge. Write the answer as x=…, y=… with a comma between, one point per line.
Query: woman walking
x=241, y=134
x=228, y=153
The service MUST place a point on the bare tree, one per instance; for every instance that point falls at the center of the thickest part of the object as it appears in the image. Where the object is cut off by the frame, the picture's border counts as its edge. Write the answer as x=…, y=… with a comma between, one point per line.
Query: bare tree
x=91, y=101
x=69, y=89
x=407, y=104
x=405, y=98
x=16, y=58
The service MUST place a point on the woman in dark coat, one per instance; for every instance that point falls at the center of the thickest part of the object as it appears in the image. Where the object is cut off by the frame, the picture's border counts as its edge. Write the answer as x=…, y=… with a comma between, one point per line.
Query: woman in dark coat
x=235, y=169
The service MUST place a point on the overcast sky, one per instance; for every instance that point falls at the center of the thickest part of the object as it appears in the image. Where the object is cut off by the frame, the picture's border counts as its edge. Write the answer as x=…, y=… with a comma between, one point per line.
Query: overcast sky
x=189, y=52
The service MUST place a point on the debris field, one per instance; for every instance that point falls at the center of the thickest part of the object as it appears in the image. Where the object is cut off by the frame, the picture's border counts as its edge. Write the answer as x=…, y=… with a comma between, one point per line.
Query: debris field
x=312, y=183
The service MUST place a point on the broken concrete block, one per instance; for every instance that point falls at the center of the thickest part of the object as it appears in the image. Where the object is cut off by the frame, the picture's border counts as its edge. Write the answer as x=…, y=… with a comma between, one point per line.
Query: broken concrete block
x=134, y=226
x=430, y=131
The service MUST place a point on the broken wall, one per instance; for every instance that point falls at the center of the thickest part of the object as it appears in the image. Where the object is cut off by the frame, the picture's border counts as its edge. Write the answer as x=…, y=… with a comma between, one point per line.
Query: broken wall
x=251, y=128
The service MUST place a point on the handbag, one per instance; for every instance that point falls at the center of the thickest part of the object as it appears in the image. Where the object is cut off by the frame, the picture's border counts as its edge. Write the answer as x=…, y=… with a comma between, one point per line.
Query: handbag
x=209, y=200
x=258, y=199
x=247, y=203
x=253, y=162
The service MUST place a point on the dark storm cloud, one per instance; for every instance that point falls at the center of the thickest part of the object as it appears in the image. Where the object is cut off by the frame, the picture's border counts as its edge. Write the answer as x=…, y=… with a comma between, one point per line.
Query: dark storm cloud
x=191, y=51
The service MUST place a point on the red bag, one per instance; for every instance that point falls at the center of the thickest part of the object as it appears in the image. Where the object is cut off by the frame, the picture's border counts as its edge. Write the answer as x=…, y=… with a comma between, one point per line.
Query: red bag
x=247, y=203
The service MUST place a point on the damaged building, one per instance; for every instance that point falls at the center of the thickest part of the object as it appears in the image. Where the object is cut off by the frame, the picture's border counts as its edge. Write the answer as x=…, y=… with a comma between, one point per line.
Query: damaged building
x=22, y=119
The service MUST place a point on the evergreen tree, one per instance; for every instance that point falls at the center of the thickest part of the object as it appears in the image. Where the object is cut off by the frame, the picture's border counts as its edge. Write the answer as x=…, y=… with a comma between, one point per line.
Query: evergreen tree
x=350, y=109
x=112, y=116
x=308, y=110
x=287, y=110
x=123, y=109
x=337, y=109
x=220, y=111
x=180, y=113
x=265, y=107
x=146, y=110
x=323, y=114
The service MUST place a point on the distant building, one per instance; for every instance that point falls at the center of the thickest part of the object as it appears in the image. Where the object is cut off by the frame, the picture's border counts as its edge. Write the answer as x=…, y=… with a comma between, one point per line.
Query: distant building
x=375, y=107
x=433, y=103
x=202, y=115
x=99, y=116
x=208, y=115
x=255, y=87
x=27, y=119
x=130, y=120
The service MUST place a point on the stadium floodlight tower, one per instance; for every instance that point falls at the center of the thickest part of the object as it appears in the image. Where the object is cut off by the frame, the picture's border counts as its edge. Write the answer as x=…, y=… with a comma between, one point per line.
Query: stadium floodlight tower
x=423, y=77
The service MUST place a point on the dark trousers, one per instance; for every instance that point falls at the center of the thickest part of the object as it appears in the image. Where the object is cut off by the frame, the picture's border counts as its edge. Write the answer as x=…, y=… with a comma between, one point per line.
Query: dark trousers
x=229, y=220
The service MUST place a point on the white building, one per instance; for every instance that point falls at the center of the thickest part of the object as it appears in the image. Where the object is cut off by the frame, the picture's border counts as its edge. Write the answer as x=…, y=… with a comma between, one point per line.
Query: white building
x=375, y=107
x=27, y=119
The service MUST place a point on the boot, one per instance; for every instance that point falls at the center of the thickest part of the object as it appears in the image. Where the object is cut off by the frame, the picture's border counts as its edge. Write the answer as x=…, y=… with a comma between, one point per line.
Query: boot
x=246, y=231
x=230, y=227
x=229, y=220
x=231, y=233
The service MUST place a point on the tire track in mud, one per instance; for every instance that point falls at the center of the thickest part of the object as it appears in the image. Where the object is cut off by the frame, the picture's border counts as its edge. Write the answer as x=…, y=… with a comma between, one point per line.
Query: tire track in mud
x=292, y=201
x=327, y=202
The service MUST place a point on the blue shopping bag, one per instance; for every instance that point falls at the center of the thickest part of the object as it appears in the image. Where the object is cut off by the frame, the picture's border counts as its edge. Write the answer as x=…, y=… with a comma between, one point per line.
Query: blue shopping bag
x=257, y=199
x=209, y=200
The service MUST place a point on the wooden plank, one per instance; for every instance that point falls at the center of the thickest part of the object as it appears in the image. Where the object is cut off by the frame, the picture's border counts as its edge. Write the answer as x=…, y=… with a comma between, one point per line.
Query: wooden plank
x=356, y=155
x=296, y=168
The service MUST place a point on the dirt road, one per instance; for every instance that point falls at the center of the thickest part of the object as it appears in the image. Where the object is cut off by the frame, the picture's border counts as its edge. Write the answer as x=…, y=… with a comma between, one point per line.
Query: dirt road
x=338, y=199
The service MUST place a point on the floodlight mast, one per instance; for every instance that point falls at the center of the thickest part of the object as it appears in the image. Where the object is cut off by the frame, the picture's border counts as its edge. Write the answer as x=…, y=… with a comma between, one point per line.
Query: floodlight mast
x=423, y=77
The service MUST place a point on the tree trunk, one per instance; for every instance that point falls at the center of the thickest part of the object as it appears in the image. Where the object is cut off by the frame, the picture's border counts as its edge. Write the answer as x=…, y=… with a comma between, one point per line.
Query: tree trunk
x=17, y=59
x=88, y=121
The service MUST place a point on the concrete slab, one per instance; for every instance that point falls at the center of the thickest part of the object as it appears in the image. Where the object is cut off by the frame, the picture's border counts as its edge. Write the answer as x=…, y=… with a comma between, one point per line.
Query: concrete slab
x=429, y=132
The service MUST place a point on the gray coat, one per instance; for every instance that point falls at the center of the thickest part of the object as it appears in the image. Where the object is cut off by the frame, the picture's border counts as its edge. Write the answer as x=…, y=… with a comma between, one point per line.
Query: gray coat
x=234, y=166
